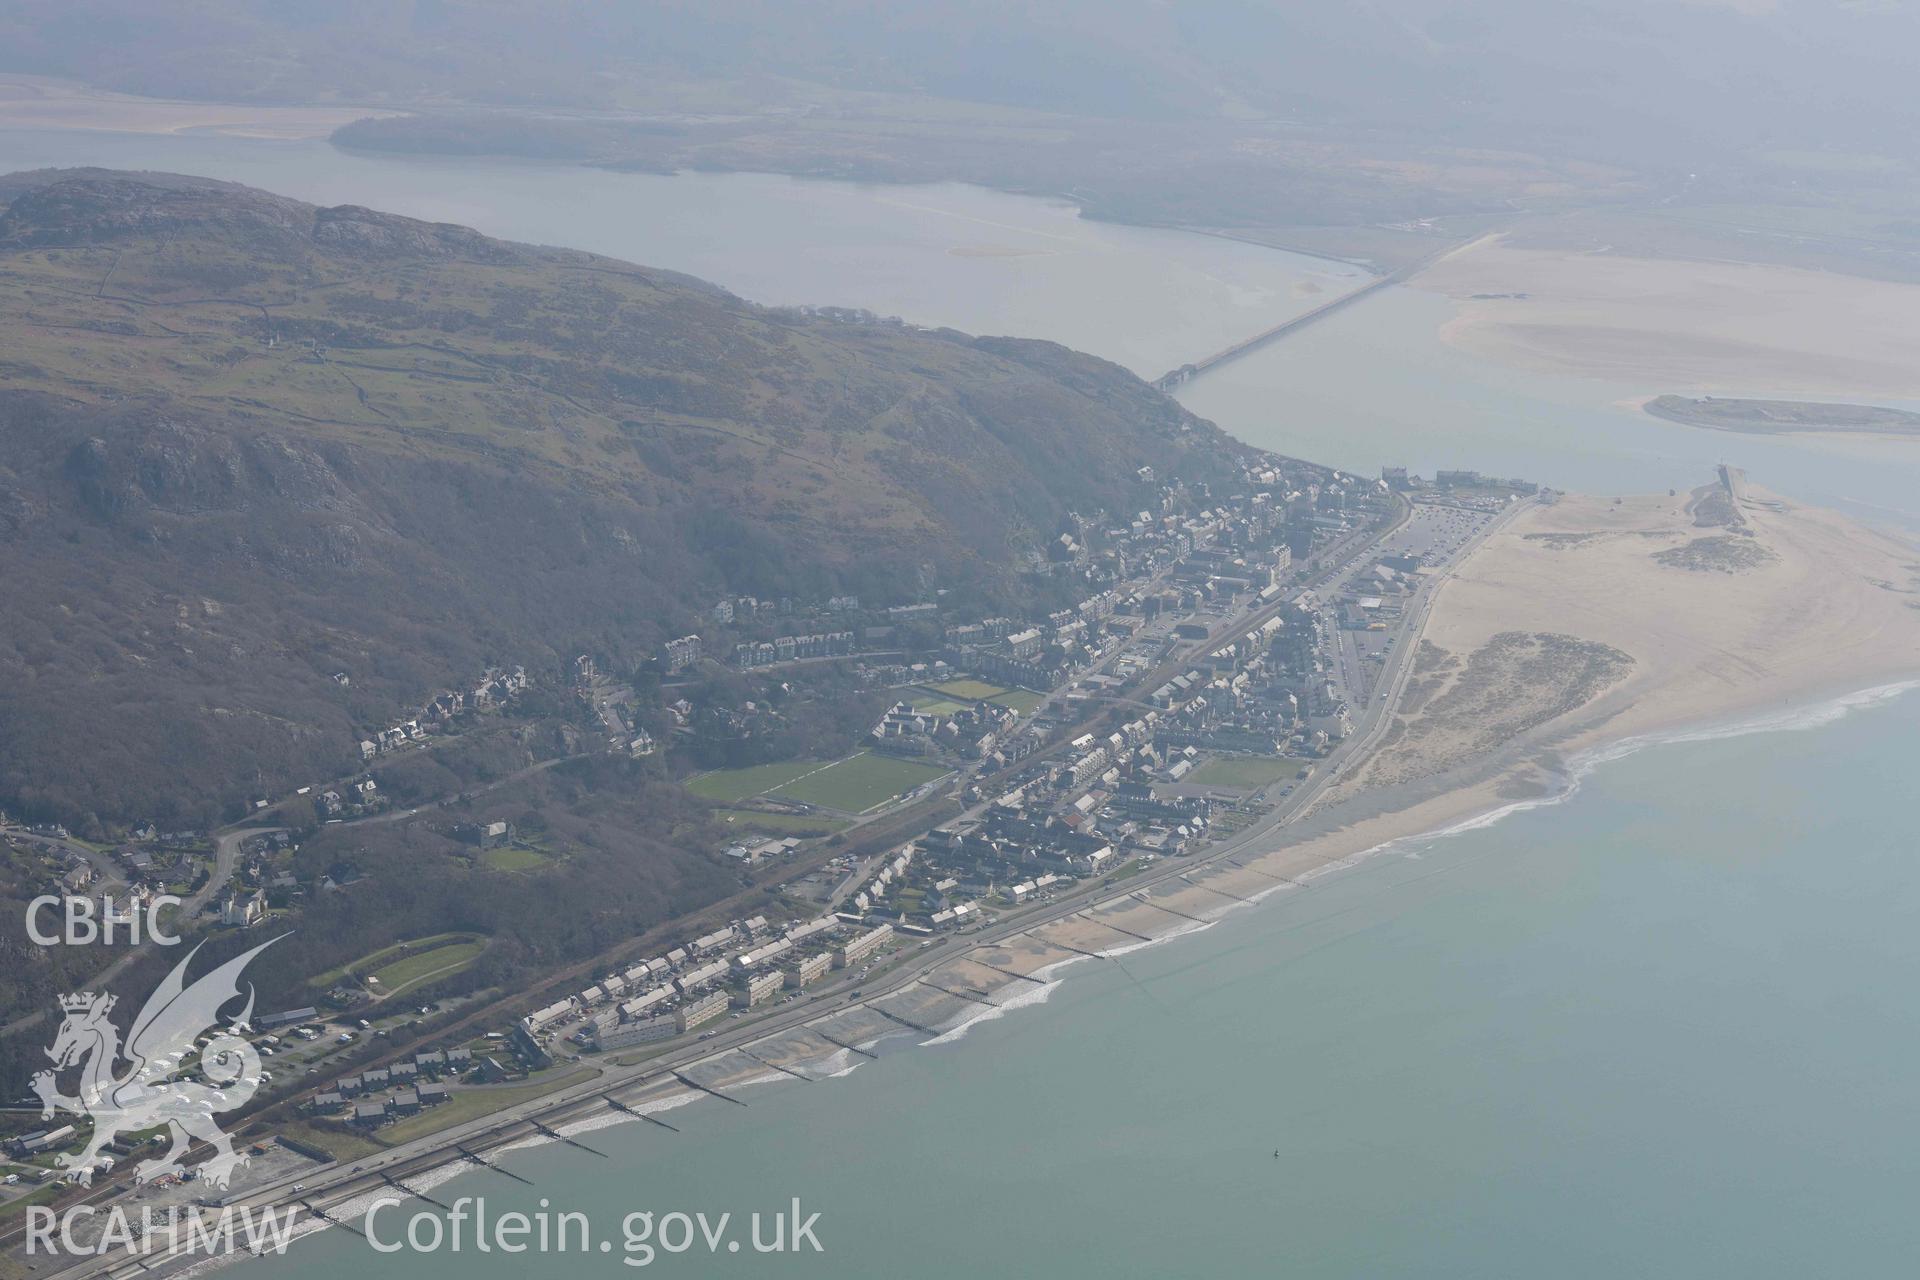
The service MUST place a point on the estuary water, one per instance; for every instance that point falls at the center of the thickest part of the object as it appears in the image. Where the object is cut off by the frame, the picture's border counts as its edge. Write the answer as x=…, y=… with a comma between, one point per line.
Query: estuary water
x=1661, y=1028
x=1371, y=386
x=943, y=255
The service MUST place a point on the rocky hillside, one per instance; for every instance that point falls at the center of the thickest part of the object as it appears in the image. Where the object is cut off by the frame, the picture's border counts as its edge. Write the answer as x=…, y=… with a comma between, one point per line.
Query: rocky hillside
x=246, y=443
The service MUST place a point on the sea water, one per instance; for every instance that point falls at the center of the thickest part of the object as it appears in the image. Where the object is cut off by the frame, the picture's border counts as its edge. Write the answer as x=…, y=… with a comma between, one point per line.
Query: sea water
x=1663, y=1027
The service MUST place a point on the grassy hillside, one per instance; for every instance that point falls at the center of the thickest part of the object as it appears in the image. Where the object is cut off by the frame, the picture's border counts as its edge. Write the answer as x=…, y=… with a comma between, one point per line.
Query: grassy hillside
x=246, y=443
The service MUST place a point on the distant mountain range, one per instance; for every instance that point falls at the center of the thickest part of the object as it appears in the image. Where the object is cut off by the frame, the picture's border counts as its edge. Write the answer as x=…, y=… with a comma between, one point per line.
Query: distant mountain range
x=246, y=443
x=1603, y=79
x=1368, y=131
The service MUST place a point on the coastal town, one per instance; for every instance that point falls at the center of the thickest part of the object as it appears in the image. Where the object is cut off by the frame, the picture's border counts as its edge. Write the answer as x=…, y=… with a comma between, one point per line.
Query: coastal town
x=1070, y=640
x=1226, y=659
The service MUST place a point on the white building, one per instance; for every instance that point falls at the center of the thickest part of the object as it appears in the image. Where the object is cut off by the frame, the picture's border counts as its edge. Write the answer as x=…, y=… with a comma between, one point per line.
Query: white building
x=809, y=970
x=705, y=975
x=760, y=957
x=759, y=988
x=858, y=949
x=700, y=1012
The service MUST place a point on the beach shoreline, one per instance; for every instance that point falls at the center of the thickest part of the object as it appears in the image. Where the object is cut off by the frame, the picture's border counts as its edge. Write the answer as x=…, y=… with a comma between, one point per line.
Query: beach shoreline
x=46, y=102
x=1520, y=780
x=1541, y=767
x=1825, y=615
x=1833, y=637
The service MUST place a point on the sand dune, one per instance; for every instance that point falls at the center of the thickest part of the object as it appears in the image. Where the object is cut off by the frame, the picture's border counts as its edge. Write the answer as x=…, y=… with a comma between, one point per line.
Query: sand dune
x=1711, y=623
x=1790, y=603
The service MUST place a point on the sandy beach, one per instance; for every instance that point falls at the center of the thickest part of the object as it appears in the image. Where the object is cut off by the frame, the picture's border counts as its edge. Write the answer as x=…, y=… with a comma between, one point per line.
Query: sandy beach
x=1582, y=627
x=1663, y=624
x=42, y=102
x=1669, y=325
x=1636, y=618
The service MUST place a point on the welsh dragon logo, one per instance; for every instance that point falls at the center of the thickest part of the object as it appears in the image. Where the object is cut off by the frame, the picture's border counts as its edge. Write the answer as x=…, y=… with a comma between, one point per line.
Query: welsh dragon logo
x=163, y=1038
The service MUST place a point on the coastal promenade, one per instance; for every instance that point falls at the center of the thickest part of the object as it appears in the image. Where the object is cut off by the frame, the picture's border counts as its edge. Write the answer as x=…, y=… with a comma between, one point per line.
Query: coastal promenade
x=336, y=1188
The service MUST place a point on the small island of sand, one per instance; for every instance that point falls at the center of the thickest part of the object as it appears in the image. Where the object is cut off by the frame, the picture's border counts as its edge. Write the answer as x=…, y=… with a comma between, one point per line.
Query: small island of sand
x=1783, y=417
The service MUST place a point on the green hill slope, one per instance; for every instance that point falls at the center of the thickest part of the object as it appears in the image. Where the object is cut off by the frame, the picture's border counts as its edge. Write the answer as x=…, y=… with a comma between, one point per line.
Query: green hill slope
x=246, y=443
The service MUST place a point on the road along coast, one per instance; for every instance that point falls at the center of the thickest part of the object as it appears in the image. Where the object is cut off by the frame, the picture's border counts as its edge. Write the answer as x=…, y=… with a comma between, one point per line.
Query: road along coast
x=1591, y=627
x=1575, y=629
